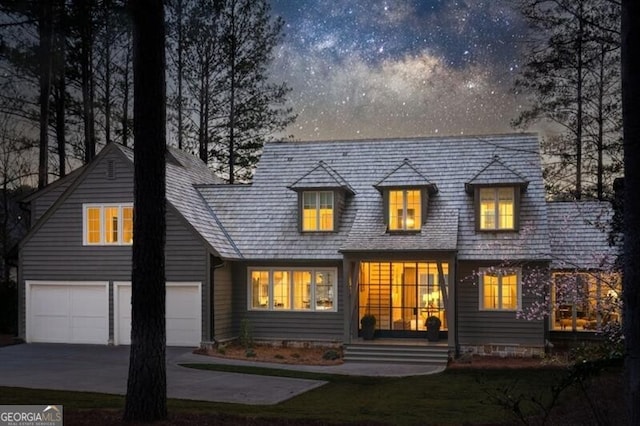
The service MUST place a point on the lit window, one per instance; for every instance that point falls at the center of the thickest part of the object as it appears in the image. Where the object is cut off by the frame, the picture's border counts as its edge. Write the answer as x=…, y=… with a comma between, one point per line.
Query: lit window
x=497, y=208
x=93, y=225
x=585, y=301
x=281, y=289
x=259, y=289
x=317, y=211
x=111, y=224
x=499, y=290
x=108, y=224
x=300, y=289
x=404, y=210
x=127, y=225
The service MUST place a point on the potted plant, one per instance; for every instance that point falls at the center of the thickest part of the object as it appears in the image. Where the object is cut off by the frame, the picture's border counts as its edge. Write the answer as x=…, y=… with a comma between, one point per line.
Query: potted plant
x=368, y=323
x=433, y=328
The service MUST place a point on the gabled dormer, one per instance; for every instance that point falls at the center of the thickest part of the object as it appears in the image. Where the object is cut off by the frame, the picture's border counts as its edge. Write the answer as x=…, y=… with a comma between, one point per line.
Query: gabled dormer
x=405, y=198
x=497, y=189
x=322, y=193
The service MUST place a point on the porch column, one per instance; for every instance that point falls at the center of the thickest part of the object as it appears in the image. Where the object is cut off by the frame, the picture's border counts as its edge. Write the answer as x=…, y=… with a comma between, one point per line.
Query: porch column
x=451, y=305
x=351, y=272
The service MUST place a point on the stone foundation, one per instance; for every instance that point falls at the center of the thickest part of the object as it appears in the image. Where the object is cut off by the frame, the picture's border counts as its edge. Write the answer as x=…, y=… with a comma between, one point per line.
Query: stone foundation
x=281, y=343
x=503, y=350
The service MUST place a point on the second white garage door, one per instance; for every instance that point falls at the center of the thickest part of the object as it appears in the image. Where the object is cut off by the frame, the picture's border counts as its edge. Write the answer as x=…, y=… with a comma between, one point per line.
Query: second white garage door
x=183, y=311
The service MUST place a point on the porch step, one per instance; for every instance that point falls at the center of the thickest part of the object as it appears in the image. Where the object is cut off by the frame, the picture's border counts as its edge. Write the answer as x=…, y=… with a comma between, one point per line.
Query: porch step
x=433, y=354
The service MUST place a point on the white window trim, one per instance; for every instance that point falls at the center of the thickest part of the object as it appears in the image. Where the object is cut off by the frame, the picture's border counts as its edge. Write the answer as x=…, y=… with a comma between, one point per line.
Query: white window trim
x=500, y=272
x=312, y=302
x=102, y=207
x=496, y=214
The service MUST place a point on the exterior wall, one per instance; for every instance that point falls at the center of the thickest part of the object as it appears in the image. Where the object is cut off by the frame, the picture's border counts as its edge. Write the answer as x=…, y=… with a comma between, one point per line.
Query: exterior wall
x=490, y=332
x=43, y=202
x=222, y=290
x=294, y=325
x=55, y=251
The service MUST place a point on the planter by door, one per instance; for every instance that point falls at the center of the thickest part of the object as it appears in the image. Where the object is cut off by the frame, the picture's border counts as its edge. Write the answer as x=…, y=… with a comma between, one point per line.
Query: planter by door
x=368, y=323
x=433, y=329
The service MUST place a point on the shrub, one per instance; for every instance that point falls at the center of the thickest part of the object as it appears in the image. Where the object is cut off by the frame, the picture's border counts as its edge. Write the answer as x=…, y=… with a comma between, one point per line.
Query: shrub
x=331, y=355
x=246, y=334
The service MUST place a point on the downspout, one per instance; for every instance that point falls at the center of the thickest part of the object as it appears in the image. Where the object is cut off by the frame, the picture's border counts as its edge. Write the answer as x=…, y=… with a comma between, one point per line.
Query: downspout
x=215, y=263
x=456, y=340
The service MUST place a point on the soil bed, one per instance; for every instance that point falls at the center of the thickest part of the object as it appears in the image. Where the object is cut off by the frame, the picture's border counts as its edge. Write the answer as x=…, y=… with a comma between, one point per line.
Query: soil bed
x=277, y=354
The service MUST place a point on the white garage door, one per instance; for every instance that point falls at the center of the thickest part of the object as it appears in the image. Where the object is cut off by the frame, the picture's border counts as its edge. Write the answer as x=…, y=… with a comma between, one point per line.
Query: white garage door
x=183, y=310
x=67, y=312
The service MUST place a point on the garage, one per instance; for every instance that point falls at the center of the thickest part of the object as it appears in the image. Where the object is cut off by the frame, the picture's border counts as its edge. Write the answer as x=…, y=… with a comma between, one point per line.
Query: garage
x=183, y=311
x=67, y=312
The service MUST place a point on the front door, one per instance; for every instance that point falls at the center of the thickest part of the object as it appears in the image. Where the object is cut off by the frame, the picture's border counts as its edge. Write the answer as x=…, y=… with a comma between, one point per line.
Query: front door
x=401, y=295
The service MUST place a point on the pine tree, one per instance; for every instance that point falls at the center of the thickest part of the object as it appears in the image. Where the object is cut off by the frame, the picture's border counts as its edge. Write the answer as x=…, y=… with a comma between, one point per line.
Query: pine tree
x=571, y=79
x=146, y=399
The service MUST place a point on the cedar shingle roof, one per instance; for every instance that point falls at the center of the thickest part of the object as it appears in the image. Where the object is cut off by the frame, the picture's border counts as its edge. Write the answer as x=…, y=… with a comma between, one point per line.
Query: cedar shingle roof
x=183, y=172
x=579, y=235
x=406, y=175
x=262, y=218
x=322, y=176
x=497, y=173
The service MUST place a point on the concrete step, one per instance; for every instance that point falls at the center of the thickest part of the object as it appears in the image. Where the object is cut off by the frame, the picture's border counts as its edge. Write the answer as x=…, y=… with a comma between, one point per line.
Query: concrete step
x=397, y=354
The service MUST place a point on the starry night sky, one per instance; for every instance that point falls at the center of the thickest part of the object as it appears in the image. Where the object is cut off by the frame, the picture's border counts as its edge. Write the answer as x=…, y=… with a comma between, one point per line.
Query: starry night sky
x=386, y=68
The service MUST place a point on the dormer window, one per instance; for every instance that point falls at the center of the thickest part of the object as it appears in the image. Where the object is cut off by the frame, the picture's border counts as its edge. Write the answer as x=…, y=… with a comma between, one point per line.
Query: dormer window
x=322, y=194
x=405, y=195
x=317, y=211
x=497, y=189
x=497, y=208
x=405, y=210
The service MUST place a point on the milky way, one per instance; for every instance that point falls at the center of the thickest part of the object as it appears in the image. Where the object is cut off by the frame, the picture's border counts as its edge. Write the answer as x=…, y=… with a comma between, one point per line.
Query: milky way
x=373, y=68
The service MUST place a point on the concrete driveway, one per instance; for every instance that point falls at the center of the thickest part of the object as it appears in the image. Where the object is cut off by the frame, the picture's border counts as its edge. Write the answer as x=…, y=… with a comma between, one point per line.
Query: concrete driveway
x=104, y=369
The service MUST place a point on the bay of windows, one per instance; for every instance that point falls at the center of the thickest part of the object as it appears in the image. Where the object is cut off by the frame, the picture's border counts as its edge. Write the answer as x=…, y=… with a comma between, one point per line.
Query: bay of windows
x=299, y=289
x=497, y=208
x=584, y=300
x=317, y=211
x=404, y=210
x=108, y=224
x=500, y=290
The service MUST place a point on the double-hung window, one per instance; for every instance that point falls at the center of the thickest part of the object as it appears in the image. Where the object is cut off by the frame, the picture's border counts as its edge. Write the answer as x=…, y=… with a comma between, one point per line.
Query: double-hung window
x=405, y=210
x=317, y=211
x=500, y=289
x=107, y=224
x=497, y=208
x=299, y=289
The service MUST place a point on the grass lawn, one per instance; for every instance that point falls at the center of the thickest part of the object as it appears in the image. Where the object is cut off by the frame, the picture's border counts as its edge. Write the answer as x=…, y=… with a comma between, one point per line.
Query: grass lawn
x=452, y=397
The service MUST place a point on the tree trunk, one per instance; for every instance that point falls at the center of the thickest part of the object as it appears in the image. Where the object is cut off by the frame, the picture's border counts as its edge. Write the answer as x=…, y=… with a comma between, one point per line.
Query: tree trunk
x=59, y=88
x=45, y=30
x=125, y=95
x=600, y=138
x=232, y=95
x=146, y=399
x=86, y=65
x=579, y=118
x=631, y=138
x=180, y=71
x=107, y=71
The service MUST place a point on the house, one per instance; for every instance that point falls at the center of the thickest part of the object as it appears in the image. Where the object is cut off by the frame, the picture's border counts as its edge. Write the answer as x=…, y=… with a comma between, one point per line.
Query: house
x=327, y=232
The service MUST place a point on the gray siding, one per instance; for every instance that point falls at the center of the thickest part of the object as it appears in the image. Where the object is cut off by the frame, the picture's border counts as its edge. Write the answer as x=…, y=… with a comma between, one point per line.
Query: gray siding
x=476, y=327
x=222, y=288
x=43, y=202
x=55, y=251
x=295, y=325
